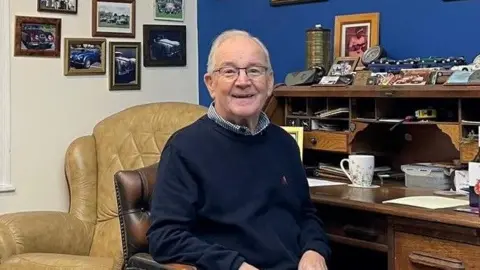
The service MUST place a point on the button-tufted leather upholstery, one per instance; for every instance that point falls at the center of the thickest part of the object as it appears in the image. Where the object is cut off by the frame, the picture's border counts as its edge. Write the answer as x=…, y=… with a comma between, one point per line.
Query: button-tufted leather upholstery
x=88, y=236
x=134, y=190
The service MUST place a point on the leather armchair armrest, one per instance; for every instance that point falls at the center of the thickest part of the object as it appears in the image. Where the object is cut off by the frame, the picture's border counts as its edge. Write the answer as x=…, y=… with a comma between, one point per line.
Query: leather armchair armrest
x=47, y=232
x=143, y=261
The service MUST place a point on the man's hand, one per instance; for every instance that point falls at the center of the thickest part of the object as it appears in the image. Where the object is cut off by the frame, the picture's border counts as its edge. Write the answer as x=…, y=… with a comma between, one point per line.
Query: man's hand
x=246, y=266
x=312, y=260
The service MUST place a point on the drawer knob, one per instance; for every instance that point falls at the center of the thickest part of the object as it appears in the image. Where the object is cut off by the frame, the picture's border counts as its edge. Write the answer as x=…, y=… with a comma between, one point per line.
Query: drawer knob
x=313, y=141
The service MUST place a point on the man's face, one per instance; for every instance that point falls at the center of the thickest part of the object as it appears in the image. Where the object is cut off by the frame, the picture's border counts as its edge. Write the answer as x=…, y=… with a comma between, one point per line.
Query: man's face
x=241, y=97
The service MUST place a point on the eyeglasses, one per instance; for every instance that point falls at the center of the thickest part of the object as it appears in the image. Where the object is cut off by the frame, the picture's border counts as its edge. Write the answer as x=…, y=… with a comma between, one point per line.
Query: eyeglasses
x=232, y=73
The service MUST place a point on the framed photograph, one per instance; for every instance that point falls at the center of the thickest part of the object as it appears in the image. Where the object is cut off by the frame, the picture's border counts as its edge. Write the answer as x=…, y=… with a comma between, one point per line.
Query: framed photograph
x=343, y=66
x=297, y=134
x=60, y=6
x=37, y=36
x=124, y=65
x=354, y=34
x=164, y=45
x=292, y=2
x=84, y=56
x=169, y=10
x=113, y=18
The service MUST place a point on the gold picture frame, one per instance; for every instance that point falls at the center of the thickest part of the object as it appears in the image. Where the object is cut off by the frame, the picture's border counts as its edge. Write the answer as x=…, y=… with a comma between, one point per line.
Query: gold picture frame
x=297, y=134
x=84, y=56
x=125, y=69
x=355, y=33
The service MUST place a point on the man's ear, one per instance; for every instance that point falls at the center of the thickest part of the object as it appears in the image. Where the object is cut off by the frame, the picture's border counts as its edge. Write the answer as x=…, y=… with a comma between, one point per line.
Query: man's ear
x=270, y=84
x=208, y=80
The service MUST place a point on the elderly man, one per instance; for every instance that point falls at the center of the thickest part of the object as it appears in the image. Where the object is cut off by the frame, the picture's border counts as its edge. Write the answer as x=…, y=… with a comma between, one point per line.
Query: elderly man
x=231, y=191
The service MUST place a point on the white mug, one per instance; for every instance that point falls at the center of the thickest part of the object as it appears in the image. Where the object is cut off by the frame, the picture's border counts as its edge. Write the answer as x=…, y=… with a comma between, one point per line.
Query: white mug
x=360, y=169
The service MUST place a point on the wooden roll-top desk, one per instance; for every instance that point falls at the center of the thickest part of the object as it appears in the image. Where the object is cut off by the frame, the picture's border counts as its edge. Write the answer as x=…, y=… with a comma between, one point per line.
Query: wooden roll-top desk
x=364, y=232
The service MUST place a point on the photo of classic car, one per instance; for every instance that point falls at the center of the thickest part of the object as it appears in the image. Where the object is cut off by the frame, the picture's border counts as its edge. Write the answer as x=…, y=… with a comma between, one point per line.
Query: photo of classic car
x=169, y=10
x=85, y=57
x=61, y=6
x=125, y=68
x=124, y=61
x=163, y=47
x=38, y=37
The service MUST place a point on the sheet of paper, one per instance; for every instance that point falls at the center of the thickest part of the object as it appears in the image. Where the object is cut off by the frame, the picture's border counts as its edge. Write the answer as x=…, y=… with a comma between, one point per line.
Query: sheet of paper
x=430, y=202
x=313, y=182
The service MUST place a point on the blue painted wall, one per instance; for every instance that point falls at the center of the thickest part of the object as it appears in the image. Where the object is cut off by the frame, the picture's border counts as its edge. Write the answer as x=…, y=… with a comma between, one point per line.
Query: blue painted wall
x=408, y=28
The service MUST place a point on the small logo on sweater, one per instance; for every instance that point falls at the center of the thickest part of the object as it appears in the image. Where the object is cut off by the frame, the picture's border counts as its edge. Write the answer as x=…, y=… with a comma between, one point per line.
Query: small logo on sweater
x=284, y=180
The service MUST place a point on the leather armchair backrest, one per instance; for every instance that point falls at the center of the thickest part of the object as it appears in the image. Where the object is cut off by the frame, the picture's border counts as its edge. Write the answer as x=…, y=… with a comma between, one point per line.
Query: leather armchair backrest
x=134, y=190
x=129, y=140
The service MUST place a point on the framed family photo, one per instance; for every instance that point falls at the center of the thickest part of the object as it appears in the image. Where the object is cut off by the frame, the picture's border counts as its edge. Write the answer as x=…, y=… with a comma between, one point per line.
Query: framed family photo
x=354, y=34
x=292, y=2
x=84, y=56
x=124, y=65
x=37, y=36
x=297, y=134
x=113, y=18
x=164, y=45
x=59, y=6
x=169, y=10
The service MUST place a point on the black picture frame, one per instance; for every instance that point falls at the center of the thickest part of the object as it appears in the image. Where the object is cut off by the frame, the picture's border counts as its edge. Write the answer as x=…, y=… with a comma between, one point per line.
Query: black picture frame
x=63, y=11
x=275, y=3
x=164, y=45
x=126, y=72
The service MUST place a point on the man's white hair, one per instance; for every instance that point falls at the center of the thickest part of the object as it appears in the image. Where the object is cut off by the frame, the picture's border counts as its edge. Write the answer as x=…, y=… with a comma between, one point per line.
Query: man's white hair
x=231, y=34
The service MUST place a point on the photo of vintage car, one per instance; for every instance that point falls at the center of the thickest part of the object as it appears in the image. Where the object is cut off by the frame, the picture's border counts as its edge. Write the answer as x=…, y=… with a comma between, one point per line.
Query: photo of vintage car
x=85, y=57
x=163, y=47
x=124, y=68
x=38, y=37
x=124, y=61
x=169, y=10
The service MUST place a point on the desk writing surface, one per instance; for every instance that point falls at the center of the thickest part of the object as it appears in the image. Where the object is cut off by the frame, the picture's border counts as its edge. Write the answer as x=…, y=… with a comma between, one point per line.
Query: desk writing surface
x=371, y=200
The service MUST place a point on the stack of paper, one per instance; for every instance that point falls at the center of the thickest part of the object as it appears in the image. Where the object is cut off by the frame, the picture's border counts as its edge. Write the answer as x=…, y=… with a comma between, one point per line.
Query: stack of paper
x=312, y=182
x=430, y=202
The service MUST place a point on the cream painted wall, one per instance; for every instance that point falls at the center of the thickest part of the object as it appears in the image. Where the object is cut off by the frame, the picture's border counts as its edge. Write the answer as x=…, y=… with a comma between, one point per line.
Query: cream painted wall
x=49, y=110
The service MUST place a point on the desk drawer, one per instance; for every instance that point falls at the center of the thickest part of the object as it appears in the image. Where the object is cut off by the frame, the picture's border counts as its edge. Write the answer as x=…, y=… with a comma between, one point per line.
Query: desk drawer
x=355, y=228
x=421, y=252
x=327, y=141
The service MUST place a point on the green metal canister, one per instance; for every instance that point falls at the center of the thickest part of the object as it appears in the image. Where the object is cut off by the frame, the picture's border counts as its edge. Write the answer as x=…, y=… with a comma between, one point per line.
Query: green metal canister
x=318, y=49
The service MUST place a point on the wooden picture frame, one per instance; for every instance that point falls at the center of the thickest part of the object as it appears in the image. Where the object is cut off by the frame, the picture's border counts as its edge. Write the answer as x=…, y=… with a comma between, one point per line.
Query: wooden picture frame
x=70, y=8
x=275, y=3
x=297, y=134
x=107, y=23
x=125, y=67
x=84, y=56
x=355, y=33
x=37, y=36
x=351, y=65
x=169, y=12
x=164, y=45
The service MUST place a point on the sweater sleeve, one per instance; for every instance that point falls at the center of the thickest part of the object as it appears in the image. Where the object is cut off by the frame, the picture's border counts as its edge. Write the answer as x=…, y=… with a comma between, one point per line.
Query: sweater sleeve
x=312, y=236
x=173, y=214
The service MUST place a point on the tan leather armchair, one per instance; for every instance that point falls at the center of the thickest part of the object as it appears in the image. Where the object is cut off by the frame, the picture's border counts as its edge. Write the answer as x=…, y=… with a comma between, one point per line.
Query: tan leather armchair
x=88, y=236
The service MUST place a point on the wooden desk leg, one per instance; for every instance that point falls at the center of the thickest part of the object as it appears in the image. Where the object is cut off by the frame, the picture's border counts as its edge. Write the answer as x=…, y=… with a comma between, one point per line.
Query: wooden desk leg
x=391, y=244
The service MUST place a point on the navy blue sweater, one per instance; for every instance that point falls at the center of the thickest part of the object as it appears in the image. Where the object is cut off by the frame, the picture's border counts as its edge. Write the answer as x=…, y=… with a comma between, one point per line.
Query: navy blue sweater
x=222, y=198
